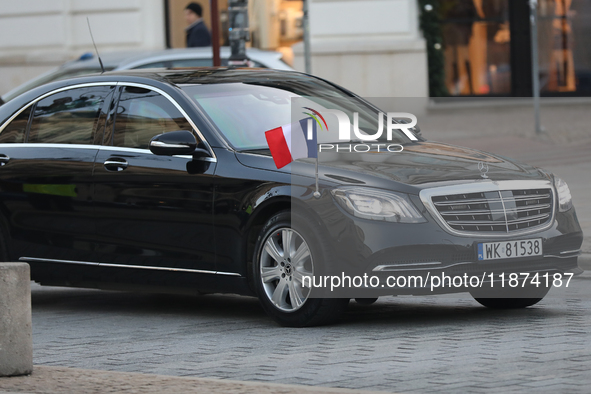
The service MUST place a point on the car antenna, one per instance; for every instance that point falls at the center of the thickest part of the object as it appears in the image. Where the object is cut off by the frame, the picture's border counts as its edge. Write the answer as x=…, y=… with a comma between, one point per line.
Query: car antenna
x=95, y=48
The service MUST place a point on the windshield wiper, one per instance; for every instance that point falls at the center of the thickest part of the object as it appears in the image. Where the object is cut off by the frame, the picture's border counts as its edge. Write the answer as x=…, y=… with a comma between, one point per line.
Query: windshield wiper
x=256, y=150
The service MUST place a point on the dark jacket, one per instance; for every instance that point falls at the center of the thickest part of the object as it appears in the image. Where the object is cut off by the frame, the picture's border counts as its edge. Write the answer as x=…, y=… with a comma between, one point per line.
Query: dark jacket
x=198, y=36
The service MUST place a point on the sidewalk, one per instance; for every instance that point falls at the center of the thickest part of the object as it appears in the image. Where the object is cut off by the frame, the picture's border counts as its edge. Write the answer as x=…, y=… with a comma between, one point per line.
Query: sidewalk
x=61, y=380
x=565, y=121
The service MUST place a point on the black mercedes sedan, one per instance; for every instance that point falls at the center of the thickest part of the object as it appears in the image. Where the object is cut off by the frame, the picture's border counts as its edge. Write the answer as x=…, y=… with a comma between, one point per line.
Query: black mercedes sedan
x=163, y=180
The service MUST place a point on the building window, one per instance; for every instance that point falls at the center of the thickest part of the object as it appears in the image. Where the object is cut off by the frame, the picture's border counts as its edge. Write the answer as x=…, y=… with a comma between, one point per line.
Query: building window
x=477, y=47
x=565, y=45
x=487, y=47
x=274, y=24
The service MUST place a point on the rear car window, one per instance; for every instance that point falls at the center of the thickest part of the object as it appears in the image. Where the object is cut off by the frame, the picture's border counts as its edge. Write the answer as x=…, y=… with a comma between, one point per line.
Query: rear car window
x=68, y=117
x=16, y=131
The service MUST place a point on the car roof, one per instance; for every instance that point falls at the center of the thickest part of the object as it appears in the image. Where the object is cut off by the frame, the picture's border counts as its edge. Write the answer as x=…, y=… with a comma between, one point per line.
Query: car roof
x=192, y=53
x=193, y=76
x=164, y=77
x=167, y=80
x=123, y=60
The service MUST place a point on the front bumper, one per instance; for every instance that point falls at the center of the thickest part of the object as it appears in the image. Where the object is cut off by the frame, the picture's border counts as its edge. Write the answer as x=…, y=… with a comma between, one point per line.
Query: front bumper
x=362, y=247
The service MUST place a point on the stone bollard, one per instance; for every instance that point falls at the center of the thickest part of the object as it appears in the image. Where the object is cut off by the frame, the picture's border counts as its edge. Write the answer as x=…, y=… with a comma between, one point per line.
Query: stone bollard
x=16, y=342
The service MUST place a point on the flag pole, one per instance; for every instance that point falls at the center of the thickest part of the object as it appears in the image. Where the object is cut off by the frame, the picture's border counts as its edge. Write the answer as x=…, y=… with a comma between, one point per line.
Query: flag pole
x=311, y=136
x=317, y=192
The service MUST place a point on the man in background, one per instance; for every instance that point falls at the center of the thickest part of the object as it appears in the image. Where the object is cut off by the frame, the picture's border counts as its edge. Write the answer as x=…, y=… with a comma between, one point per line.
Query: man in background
x=197, y=33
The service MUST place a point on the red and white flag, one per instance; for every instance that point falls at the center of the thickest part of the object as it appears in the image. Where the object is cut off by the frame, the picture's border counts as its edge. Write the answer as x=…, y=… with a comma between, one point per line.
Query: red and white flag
x=292, y=141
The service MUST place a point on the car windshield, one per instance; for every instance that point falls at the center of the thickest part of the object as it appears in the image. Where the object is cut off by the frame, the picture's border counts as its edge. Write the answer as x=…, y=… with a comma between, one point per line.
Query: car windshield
x=243, y=112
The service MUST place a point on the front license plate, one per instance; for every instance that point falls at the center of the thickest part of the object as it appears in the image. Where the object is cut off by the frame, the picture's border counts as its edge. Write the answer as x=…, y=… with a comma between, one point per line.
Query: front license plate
x=510, y=249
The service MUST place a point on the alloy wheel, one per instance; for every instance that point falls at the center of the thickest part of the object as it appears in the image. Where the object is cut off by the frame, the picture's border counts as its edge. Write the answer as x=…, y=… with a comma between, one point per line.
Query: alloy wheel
x=284, y=261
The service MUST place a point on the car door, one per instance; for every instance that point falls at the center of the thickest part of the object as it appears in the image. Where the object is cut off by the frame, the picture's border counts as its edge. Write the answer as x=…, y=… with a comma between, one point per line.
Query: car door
x=47, y=157
x=153, y=212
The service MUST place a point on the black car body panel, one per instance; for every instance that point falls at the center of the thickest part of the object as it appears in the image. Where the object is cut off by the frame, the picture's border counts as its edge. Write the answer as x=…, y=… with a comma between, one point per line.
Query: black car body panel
x=177, y=223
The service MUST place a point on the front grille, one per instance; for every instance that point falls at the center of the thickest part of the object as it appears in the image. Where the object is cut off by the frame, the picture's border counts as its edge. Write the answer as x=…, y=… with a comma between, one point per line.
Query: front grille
x=502, y=211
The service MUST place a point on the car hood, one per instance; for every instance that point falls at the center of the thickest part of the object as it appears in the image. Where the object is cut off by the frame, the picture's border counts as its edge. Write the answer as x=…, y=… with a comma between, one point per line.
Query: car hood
x=417, y=166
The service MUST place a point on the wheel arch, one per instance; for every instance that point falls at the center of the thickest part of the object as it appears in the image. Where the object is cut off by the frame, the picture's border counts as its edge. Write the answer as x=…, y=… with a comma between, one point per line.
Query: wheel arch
x=262, y=214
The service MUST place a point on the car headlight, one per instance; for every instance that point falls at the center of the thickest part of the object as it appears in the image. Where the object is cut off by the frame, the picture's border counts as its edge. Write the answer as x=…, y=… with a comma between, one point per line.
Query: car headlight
x=565, y=200
x=377, y=205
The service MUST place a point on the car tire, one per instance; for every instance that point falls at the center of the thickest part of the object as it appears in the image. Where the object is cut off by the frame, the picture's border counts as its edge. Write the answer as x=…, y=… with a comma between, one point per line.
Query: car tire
x=528, y=297
x=366, y=301
x=507, y=303
x=277, y=277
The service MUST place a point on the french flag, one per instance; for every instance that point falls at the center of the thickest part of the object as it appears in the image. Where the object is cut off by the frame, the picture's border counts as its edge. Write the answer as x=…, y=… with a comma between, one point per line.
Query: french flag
x=293, y=141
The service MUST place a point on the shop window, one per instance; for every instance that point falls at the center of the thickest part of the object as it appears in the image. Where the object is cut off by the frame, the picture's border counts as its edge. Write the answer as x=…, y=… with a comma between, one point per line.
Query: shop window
x=565, y=45
x=477, y=46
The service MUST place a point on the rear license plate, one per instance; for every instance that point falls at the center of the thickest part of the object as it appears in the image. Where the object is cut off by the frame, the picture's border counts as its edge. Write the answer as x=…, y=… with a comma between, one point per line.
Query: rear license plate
x=510, y=249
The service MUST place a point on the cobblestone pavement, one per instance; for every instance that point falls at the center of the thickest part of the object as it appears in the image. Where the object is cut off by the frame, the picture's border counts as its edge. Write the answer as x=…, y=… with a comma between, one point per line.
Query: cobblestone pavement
x=400, y=344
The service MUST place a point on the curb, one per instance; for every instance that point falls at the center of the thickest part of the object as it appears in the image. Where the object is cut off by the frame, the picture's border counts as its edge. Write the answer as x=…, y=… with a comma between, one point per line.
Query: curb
x=58, y=380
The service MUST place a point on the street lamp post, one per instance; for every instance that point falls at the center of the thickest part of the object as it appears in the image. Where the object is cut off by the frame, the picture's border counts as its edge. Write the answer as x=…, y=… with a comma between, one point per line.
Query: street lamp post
x=533, y=5
x=215, y=32
x=239, y=31
x=307, y=51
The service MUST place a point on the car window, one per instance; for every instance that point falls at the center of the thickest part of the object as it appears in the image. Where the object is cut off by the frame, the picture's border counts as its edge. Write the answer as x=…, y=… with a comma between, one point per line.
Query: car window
x=68, y=117
x=142, y=114
x=16, y=131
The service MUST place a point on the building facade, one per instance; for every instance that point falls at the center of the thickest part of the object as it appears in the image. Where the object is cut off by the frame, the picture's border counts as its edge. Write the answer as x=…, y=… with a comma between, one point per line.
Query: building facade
x=374, y=47
x=38, y=35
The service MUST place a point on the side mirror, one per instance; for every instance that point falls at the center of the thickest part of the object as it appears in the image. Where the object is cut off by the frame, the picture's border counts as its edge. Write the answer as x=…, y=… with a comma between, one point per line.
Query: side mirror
x=181, y=142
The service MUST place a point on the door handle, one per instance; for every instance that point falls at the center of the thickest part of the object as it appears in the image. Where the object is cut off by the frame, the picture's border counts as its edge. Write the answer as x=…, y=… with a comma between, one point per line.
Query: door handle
x=4, y=159
x=115, y=164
